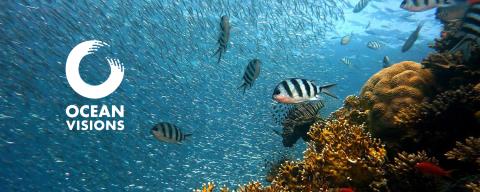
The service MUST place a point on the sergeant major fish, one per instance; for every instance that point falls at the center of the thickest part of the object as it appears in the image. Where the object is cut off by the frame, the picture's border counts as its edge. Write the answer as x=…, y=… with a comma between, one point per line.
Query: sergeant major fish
x=252, y=71
x=360, y=5
x=374, y=45
x=346, y=61
x=223, y=37
x=169, y=133
x=412, y=38
x=296, y=90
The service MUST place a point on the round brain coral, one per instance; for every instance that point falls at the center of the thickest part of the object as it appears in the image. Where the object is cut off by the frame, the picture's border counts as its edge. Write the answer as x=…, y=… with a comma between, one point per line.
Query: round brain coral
x=391, y=89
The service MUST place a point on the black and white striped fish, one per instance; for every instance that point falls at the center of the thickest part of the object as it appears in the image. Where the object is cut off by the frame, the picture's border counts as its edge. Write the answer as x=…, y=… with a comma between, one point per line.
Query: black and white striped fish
x=169, y=133
x=374, y=45
x=252, y=71
x=412, y=38
x=346, y=61
x=223, y=37
x=469, y=30
x=296, y=90
x=360, y=5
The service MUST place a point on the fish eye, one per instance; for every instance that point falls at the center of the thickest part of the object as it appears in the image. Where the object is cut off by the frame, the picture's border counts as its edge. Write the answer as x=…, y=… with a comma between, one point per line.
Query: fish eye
x=155, y=128
x=276, y=92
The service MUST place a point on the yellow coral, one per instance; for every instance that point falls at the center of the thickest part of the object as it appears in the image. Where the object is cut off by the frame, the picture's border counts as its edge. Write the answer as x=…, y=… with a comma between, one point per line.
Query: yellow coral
x=467, y=151
x=473, y=186
x=393, y=89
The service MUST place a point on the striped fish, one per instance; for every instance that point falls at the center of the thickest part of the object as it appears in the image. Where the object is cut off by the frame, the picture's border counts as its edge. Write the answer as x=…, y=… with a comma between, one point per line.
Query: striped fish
x=297, y=90
x=302, y=112
x=223, y=37
x=251, y=74
x=412, y=38
x=469, y=30
x=346, y=61
x=423, y=5
x=296, y=120
x=169, y=133
x=360, y=5
x=374, y=45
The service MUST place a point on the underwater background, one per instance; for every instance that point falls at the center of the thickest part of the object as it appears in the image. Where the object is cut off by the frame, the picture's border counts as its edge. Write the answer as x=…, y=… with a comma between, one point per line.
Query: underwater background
x=171, y=75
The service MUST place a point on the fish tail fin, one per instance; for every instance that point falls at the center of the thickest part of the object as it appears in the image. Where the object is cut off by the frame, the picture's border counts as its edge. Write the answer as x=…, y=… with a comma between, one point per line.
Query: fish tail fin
x=216, y=52
x=325, y=89
x=420, y=25
x=243, y=86
x=187, y=135
x=220, y=53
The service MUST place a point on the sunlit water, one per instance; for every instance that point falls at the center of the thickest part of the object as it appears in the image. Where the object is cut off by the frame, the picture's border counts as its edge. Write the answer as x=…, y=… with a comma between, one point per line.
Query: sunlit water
x=171, y=75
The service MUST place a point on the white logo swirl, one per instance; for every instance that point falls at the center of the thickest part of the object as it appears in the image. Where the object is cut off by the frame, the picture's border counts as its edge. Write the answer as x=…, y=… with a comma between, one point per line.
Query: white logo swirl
x=81, y=87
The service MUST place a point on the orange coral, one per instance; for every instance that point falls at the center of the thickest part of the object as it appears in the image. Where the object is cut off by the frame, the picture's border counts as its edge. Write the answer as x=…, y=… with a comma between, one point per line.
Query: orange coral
x=392, y=89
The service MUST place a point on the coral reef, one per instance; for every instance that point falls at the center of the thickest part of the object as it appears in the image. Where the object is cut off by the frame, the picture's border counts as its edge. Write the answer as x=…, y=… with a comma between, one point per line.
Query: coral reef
x=428, y=116
x=402, y=175
x=469, y=151
x=273, y=166
x=473, y=186
x=392, y=89
x=340, y=154
x=440, y=122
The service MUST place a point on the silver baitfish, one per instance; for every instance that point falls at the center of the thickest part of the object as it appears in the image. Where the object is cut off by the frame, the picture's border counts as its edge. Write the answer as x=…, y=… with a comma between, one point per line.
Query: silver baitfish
x=412, y=38
x=469, y=30
x=386, y=62
x=296, y=90
x=223, y=37
x=360, y=5
x=346, y=39
x=374, y=45
x=169, y=133
x=252, y=71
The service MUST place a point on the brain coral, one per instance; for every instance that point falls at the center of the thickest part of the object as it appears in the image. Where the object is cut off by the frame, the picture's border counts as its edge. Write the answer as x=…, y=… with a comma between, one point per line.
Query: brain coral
x=392, y=89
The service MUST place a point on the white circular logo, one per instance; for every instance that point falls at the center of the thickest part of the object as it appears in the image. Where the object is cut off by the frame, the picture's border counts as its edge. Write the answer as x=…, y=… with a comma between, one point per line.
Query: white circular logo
x=73, y=74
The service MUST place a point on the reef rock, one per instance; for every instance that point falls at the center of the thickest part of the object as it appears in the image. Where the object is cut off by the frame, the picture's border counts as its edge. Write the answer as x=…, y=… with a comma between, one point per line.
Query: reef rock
x=392, y=89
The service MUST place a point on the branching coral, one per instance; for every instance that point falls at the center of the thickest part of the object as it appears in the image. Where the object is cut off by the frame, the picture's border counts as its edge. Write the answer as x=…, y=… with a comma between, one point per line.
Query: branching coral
x=342, y=154
x=354, y=110
x=402, y=175
x=473, y=186
x=440, y=122
x=468, y=151
x=273, y=166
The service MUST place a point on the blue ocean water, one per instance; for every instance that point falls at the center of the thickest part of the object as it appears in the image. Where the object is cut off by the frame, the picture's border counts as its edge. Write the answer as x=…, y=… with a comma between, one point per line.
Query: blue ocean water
x=171, y=75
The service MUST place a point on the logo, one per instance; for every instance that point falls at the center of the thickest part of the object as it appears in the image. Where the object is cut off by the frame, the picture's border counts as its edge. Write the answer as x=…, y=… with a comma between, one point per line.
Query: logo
x=73, y=73
x=93, y=117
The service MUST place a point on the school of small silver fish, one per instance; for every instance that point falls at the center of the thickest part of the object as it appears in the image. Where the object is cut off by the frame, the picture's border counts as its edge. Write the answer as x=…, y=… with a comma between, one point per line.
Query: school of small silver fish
x=204, y=36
